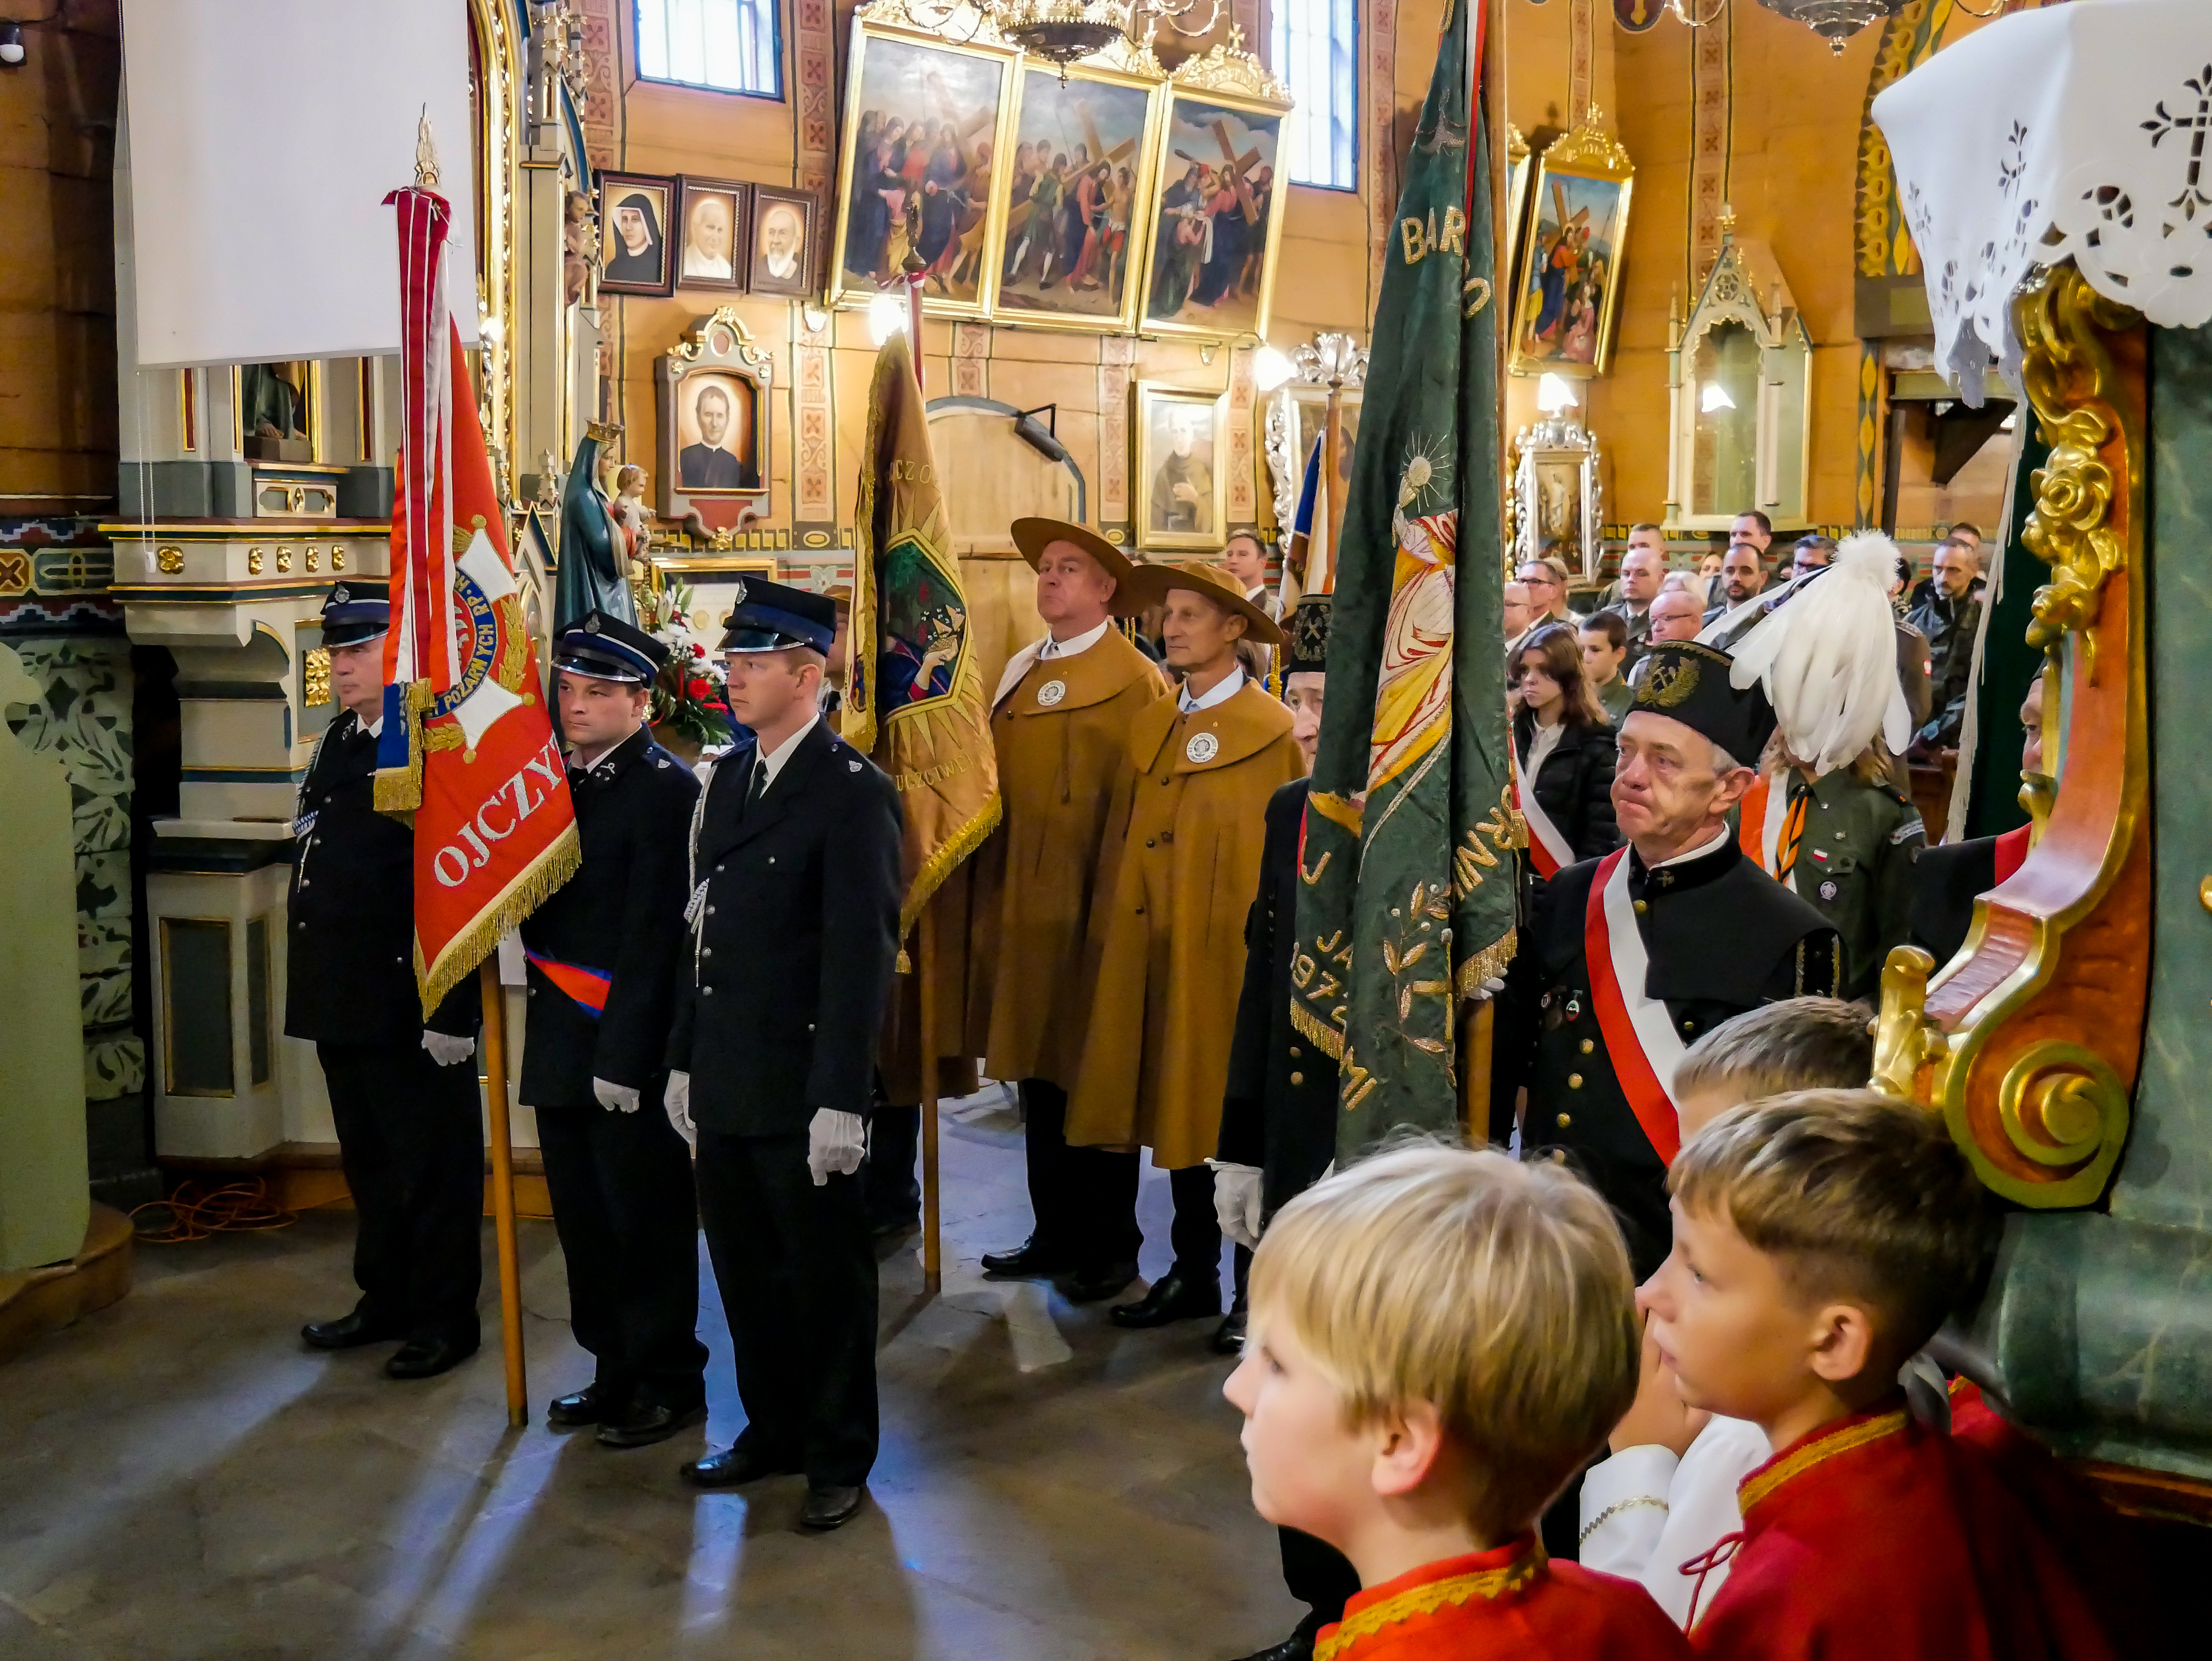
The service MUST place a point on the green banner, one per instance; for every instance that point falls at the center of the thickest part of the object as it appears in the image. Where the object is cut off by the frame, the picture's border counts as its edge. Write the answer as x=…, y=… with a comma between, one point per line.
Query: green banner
x=1406, y=900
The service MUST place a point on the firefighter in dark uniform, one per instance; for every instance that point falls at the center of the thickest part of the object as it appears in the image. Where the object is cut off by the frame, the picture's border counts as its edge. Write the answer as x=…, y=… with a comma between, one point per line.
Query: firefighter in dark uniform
x=403, y=1093
x=1717, y=935
x=795, y=851
x=602, y=954
x=1279, y=1114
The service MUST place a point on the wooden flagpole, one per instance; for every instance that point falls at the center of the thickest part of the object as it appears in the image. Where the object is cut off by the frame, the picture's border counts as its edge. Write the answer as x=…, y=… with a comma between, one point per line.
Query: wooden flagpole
x=502, y=1193
x=933, y=1245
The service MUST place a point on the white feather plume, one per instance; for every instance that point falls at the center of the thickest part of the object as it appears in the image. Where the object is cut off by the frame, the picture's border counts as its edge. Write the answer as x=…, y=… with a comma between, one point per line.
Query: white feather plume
x=1828, y=658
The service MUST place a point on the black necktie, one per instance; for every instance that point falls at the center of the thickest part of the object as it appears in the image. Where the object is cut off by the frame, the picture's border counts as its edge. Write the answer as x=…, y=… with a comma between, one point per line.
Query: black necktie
x=758, y=787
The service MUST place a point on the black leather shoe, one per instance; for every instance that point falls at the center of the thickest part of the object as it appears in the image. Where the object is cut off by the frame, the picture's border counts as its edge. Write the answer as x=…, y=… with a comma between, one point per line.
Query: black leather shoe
x=643, y=1423
x=1174, y=1297
x=1229, y=1336
x=830, y=1508
x=588, y=1406
x=1027, y=1262
x=736, y=1464
x=1293, y=1648
x=1089, y=1285
x=348, y=1332
x=426, y=1358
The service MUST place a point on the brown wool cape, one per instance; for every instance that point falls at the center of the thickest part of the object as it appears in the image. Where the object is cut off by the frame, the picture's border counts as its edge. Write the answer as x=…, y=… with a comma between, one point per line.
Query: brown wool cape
x=1166, y=951
x=1060, y=731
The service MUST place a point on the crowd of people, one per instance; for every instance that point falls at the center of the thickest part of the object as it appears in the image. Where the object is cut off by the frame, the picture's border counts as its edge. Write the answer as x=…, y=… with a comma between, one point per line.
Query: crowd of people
x=1656, y=1371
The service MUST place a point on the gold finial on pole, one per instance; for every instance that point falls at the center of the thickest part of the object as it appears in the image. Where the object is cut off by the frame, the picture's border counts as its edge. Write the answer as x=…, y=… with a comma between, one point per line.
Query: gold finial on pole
x=426, y=153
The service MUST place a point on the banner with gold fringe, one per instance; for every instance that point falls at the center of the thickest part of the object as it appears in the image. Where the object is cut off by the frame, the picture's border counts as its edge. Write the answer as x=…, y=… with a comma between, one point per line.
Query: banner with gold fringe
x=915, y=698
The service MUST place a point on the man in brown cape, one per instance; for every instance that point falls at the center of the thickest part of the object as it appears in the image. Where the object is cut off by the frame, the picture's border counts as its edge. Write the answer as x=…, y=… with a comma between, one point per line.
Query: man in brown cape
x=1179, y=863
x=1059, y=723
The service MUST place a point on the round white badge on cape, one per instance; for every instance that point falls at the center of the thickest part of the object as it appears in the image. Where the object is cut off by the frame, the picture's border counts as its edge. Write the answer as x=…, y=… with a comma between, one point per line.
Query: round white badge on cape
x=1051, y=693
x=1202, y=748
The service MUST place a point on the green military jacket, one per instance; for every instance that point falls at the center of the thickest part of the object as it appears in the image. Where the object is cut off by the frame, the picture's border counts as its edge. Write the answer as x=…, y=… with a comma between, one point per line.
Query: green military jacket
x=1614, y=697
x=1855, y=865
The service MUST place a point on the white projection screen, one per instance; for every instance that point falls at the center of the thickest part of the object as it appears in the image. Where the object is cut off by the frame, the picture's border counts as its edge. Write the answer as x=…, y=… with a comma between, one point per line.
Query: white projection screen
x=263, y=137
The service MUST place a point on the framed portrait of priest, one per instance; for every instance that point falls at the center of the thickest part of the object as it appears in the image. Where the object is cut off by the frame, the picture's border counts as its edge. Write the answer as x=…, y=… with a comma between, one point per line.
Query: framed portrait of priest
x=716, y=424
x=1181, y=479
x=922, y=122
x=1215, y=208
x=636, y=213
x=1567, y=297
x=780, y=257
x=715, y=217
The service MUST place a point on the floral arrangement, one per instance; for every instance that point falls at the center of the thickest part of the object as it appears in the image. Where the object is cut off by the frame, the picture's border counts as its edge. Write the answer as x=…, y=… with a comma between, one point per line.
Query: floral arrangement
x=690, y=697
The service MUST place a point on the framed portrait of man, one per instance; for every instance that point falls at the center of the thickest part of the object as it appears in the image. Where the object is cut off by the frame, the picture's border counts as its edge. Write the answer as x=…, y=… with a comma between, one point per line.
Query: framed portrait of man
x=922, y=128
x=1567, y=293
x=634, y=214
x=1217, y=199
x=715, y=211
x=716, y=422
x=781, y=249
x=1182, y=451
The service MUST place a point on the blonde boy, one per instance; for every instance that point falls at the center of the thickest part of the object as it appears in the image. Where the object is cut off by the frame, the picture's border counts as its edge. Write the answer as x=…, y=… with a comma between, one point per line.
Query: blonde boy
x=1438, y=1339
x=1667, y=1494
x=1820, y=1240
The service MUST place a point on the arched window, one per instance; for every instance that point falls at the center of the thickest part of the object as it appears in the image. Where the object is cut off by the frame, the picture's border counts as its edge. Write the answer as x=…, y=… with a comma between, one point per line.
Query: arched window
x=730, y=45
x=1316, y=52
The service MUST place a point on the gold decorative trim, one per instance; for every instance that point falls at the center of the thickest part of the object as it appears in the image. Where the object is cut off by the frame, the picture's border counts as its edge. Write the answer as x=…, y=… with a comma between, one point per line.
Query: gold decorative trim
x=529, y=890
x=693, y=346
x=1229, y=68
x=959, y=22
x=1489, y=1585
x=1763, y=1482
x=1317, y=1031
x=1487, y=964
x=1590, y=148
x=1904, y=1040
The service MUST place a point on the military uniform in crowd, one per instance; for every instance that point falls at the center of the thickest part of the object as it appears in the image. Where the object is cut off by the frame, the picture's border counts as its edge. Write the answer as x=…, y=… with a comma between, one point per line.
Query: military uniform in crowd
x=410, y=1122
x=795, y=860
x=602, y=954
x=1178, y=864
x=1059, y=724
x=1847, y=844
x=1713, y=936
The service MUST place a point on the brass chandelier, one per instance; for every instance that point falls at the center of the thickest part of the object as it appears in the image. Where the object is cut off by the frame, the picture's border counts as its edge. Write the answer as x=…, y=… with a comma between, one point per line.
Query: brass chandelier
x=1834, y=20
x=1060, y=32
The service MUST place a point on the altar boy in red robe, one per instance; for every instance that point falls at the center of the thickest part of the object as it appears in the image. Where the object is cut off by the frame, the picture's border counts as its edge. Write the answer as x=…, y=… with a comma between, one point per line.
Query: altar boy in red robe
x=1438, y=1339
x=1820, y=1238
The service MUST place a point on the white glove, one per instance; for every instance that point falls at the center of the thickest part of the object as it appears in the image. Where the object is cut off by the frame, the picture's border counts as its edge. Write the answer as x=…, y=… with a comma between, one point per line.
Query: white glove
x=615, y=1098
x=678, y=1101
x=446, y=1049
x=1237, y=1202
x=835, y=1141
x=1489, y=989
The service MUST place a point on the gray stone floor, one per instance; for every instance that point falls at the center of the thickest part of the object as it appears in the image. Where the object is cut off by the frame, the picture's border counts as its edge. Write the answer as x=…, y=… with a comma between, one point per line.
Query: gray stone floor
x=179, y=1478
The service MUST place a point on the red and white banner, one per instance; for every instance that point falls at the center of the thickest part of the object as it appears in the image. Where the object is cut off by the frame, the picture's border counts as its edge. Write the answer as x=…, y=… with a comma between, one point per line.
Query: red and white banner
x=1547, y=849
x=1759, y=820
x=1640, y=1039
x=467, y=746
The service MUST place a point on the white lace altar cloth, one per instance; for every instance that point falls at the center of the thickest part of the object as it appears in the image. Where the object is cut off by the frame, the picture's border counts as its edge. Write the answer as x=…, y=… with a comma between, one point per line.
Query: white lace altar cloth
x=2076, y=131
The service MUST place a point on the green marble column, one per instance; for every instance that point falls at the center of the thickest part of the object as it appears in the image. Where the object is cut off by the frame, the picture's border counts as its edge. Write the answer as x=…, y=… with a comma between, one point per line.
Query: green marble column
x=2100, y=1323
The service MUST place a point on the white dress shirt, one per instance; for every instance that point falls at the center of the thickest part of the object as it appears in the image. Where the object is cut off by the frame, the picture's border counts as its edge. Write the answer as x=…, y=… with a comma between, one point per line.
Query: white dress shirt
x=1646, y=1513
x=1225, y=689
x=772, y=761
x=1698, y=853
x=1068, y=649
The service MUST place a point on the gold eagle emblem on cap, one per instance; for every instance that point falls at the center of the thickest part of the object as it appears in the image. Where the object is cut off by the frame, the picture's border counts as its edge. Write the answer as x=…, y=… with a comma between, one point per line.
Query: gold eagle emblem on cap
x=1671, y=682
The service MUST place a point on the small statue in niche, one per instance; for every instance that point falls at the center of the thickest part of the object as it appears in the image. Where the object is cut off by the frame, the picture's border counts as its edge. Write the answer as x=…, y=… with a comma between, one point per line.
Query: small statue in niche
x=580, y=244
x=629, y=508
x=594, y=542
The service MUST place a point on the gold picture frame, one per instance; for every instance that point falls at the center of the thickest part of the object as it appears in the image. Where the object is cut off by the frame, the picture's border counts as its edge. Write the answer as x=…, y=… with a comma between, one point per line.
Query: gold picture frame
x=1567, y=297
x=967, y=89
x=1519, y=165
x=1089, y=110
x=1181, y=434
x=1225, y=101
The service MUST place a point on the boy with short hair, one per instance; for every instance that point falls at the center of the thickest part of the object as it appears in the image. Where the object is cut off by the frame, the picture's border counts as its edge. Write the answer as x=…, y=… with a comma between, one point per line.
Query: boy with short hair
x=1667, y=1494
x=1438, y=1339
x=1820, y=1240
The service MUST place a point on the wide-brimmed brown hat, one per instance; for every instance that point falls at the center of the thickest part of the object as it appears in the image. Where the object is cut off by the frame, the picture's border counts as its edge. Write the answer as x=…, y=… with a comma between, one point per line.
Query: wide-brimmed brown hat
x=1034, y=536
x=1217, y=585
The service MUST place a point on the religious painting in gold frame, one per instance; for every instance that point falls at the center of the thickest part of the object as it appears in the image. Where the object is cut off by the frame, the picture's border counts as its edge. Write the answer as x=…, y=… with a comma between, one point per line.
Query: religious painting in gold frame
x=957, y=93
x=1520, y=164
x=1071, y=200
x=1567, y=297
x=1213, y=218
x=1182, y=438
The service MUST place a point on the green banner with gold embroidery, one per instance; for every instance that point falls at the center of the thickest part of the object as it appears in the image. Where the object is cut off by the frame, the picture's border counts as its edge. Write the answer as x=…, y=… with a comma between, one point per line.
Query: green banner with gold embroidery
x=1406, y=903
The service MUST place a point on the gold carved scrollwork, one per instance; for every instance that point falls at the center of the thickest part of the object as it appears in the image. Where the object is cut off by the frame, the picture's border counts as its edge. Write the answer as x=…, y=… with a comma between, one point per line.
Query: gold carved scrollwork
x=1904, y=1039
x=315, y=678
x=169, y=560
x=2067, y=372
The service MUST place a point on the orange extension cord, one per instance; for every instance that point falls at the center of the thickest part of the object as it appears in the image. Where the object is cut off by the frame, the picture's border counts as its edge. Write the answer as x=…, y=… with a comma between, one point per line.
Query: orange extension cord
x=196, y=1212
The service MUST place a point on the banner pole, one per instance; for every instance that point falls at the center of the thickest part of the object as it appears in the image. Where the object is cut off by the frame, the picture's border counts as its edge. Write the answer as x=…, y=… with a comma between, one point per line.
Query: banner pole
x=502, y=1193
x=933, y=1245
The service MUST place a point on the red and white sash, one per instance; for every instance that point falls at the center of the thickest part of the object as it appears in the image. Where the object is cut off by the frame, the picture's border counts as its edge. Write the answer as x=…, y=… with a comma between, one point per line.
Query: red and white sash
x=1759, y=818
x=2011, y=853
x=1547, y=849
x=1639, y=1035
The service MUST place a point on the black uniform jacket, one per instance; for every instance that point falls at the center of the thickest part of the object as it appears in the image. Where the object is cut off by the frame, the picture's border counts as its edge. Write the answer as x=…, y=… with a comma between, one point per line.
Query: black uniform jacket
x=1574, y=786
x=778, y=1011
x=621, y=913
x=350, y=974
x=1946, y=883
x=1280, y=1113
x=1721, y=936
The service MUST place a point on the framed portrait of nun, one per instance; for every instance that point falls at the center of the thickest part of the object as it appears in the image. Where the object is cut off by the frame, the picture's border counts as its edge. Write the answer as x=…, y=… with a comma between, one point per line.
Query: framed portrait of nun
x=636, y=216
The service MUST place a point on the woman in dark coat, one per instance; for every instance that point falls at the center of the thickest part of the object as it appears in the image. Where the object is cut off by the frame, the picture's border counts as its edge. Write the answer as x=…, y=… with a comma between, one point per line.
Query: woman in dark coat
x=1563, y=749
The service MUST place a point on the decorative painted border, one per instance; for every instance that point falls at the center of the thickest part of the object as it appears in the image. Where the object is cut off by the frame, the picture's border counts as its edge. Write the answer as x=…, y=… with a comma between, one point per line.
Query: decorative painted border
x=1713, y=117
